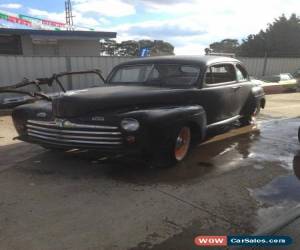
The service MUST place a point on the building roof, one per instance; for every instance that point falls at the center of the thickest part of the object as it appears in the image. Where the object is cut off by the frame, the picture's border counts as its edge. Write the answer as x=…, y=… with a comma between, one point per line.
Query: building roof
x=203, y=60
x=64, y=34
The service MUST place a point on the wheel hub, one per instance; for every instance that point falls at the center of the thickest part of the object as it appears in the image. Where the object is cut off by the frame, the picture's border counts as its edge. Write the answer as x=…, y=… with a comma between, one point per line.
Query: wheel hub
x=182, y=143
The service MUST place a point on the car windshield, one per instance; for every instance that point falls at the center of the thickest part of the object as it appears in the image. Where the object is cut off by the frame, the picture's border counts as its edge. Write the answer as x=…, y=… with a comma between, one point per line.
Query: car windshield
x=157, y=74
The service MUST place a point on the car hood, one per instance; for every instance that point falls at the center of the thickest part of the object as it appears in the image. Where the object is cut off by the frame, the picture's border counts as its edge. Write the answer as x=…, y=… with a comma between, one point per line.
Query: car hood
x=82, y=102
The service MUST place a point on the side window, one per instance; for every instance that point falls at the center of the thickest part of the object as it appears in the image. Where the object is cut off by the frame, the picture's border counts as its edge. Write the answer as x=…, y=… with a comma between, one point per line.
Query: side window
x=241, y=73
x=220, y=73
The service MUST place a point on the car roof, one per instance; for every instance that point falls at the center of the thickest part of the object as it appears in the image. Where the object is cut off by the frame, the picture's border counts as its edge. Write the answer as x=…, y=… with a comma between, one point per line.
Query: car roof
x=203, y=60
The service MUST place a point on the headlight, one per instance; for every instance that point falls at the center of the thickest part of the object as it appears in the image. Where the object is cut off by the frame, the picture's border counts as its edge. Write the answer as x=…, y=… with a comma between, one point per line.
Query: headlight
x=130, y=124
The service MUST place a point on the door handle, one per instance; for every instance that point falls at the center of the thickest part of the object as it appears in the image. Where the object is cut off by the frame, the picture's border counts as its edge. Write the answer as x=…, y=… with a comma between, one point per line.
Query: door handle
x=236, y=87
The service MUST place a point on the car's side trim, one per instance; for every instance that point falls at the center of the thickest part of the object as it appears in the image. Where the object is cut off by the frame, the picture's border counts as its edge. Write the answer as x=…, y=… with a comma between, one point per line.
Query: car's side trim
x=226, y=121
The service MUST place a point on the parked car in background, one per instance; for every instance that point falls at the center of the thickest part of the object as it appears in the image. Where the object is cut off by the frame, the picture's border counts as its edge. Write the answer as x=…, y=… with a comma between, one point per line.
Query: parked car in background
x=284, y=82
x=11, y=102
x=296, y=75
x=157, y=107
x=281, y=78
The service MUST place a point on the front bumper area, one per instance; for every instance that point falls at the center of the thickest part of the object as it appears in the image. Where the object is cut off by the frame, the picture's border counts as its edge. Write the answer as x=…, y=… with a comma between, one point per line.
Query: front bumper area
x=65, y=134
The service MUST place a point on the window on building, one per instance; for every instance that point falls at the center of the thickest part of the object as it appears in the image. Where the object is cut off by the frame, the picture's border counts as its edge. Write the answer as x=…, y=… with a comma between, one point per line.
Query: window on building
x=10, y=45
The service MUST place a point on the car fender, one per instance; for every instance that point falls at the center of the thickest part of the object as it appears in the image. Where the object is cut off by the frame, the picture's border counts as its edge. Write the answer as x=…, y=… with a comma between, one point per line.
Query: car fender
x=160, y=122
x=258, y=96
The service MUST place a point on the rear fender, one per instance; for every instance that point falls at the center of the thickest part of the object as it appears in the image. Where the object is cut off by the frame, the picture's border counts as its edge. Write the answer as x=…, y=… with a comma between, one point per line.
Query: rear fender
x=255, y=99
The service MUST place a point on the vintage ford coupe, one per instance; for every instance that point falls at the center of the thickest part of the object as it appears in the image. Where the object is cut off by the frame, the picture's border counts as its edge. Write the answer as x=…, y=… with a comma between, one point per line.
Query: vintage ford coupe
x=157, y=107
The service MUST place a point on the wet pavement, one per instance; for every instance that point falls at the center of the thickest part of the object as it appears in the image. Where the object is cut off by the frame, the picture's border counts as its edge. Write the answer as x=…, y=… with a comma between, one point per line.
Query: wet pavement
x=233, y=184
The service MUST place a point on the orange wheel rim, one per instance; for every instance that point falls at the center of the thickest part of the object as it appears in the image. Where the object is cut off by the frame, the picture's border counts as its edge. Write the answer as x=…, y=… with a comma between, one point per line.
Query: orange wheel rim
x=182, y=143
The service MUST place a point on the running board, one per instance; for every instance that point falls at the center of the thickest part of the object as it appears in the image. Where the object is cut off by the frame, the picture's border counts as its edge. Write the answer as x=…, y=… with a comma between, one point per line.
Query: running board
x=224, y=122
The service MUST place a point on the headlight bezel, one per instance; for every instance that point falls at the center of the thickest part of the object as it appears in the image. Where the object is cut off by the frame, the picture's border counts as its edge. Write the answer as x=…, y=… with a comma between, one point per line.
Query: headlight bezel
x=130, y=124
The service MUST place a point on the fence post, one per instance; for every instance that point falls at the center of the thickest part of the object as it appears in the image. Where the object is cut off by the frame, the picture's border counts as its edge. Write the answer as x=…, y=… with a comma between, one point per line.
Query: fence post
x=69, y=69
x=265, y=65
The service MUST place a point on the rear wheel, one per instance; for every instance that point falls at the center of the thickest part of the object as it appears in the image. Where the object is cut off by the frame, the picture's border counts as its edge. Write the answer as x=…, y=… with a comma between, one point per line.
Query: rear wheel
x=174, y=149
x=250, y=118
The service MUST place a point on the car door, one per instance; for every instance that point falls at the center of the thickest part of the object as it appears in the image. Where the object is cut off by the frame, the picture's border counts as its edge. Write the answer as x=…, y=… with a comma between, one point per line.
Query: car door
x=218, y=92
x=242, y=90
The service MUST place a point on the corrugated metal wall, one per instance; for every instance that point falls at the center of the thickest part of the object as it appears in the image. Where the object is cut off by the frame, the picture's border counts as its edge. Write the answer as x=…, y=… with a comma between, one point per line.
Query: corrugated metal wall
x=282, y=65
x=14, y=68
x=255, y=66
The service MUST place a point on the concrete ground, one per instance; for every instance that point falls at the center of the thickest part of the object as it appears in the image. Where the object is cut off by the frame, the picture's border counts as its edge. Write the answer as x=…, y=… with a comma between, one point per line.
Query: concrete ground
x=236, y=183
x=282, y=105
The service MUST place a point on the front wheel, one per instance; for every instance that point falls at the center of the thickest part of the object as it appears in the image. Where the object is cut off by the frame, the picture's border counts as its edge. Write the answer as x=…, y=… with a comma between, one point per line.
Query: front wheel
x=174, y=149
x=182, y=143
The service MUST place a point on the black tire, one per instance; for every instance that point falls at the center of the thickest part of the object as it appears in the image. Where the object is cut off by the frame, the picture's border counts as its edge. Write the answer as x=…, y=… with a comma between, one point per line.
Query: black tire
x=249, y=118
x=167, y=154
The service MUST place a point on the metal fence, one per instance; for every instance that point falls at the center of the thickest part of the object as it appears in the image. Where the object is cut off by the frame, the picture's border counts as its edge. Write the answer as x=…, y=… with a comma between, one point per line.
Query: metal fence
x=269, y=66
x=14, y=68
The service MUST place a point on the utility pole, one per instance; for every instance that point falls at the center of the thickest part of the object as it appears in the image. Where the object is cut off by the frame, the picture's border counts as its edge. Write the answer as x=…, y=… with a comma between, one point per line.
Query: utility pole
x=69, y=15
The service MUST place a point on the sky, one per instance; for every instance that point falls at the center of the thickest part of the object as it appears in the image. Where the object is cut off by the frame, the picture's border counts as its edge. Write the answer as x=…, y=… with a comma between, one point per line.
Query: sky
x=189, y=25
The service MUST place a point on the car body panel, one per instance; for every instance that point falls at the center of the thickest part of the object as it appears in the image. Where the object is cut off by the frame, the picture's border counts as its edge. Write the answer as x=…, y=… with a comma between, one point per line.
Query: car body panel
x=158, y=109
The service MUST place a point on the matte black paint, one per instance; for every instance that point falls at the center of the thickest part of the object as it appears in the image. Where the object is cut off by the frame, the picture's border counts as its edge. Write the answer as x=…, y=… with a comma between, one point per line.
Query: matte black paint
x=159, y=110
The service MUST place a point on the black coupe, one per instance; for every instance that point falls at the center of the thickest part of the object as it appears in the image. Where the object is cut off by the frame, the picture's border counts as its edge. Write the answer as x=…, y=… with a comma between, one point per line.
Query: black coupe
x=157, y=107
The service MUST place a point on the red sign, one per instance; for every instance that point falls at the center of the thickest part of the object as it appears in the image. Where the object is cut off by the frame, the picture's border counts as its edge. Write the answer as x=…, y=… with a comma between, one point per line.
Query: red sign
x=18, y=21
x=207, y=241
x=52, y=23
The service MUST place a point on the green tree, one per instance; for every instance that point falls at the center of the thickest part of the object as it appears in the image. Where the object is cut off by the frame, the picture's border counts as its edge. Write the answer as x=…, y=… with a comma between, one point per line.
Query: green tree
x=132, y=48
x=225, y=46
x=108, y=47
x=281, y=38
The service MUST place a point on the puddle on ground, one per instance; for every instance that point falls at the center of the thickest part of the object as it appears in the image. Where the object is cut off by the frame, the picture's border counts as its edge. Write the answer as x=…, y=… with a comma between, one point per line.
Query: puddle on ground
x=256, y=146
x=280, y=195
x=222, y=153
x=205, y=160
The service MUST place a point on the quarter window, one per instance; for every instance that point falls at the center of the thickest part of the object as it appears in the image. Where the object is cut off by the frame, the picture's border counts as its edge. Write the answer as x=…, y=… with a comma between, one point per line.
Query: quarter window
x=221, y=73
x=241, y=73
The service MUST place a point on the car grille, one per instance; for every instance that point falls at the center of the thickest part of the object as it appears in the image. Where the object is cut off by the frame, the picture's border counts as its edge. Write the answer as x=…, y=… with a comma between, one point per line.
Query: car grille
x=65, y=132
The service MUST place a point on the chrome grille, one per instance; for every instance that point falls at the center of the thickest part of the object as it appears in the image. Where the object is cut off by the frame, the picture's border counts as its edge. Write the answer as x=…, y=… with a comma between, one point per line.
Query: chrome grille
x=65, y=132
